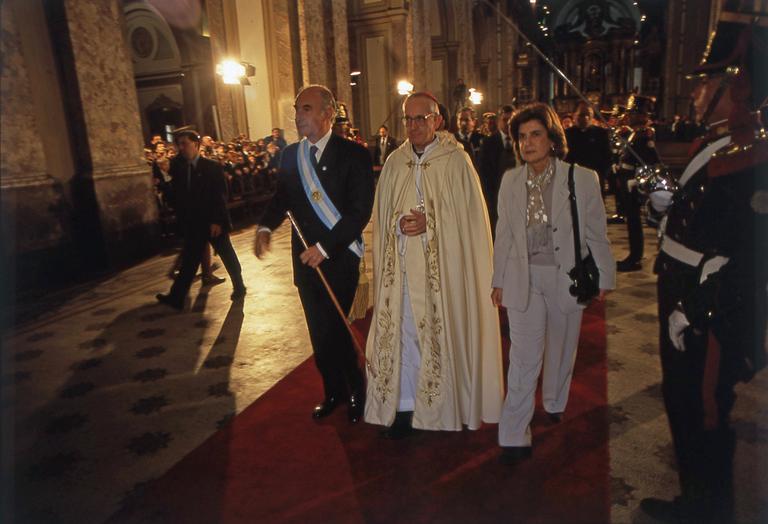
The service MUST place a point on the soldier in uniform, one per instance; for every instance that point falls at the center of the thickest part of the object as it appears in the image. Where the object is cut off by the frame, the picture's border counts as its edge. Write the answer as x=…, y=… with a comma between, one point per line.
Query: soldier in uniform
x=712, y=273
x=639, y=109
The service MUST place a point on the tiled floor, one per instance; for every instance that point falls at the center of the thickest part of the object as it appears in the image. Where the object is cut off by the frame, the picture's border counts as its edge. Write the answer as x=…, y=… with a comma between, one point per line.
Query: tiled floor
x=105, y=389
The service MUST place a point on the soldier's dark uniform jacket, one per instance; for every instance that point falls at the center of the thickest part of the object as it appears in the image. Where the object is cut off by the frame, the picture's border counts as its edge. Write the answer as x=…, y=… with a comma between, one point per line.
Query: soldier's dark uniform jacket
x=717, y=212
x=732, y=222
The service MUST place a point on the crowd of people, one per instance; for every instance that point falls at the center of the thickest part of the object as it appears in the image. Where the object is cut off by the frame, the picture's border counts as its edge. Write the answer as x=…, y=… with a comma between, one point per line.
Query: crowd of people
x=512, y=215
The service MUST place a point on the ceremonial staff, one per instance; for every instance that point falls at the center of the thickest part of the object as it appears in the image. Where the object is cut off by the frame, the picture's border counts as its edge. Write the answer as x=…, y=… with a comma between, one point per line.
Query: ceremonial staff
x=352, y=334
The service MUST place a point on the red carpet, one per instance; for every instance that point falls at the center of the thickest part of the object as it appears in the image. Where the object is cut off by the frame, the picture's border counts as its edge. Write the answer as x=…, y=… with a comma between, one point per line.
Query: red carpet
x=273, y=463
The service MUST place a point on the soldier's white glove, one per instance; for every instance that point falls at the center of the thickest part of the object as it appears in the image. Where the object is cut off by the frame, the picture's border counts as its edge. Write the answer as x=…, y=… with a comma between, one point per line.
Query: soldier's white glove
x=660, y=200
x=678, y=322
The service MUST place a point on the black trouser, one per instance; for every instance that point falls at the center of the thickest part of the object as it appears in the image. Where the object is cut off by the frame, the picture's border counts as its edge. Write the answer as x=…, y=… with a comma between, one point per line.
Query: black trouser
x=195, y=238
x=704, y=456
x=614, y=185
x=631, y=205
x=334, y=353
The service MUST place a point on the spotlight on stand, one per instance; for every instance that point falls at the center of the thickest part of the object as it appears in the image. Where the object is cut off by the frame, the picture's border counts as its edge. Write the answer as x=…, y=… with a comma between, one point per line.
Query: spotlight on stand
x=233, y=72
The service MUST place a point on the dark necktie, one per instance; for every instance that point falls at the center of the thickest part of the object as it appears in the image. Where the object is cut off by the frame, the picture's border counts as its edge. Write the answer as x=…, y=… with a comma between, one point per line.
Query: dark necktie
x=507, y=143
x=313, y=157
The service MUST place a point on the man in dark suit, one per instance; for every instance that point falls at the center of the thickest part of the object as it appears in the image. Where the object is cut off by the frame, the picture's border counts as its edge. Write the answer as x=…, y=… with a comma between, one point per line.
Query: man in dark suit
x=466, y=134
x=276, y=138
x=385, y=144
x=589, y=145
x=200, y=197
x=327, y=183
x=496, y=156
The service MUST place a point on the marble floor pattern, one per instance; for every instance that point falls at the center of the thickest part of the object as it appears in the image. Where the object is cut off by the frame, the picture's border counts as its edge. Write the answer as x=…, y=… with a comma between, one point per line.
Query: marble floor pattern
x=104, y=390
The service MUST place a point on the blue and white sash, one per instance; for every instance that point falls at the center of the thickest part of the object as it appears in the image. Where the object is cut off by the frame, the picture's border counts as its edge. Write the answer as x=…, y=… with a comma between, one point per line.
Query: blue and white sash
x=317, y=196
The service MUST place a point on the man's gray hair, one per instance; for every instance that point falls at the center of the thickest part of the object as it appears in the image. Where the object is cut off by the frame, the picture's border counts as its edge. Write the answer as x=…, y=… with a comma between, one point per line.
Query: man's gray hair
x=325, y=95
x=433, y=105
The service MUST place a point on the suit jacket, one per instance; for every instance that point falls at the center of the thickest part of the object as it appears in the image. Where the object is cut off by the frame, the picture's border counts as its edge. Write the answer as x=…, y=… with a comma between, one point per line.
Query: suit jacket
x=346, y=174
x=468, y=147
x=390, y=146
x=200, y=194
x=510, y=258
x=590, y=148
x=494, y=161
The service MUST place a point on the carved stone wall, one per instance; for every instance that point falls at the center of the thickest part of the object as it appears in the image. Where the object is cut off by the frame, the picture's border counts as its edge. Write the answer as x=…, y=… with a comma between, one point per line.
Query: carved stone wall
x=104, y=113
x=33, y=206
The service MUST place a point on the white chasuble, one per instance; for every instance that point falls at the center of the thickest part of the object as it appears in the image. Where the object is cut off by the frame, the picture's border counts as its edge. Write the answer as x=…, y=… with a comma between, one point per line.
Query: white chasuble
x=448, y=273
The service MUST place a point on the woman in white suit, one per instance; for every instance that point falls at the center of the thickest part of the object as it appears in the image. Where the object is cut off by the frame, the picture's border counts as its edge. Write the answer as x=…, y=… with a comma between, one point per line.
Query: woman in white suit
x=533, y=253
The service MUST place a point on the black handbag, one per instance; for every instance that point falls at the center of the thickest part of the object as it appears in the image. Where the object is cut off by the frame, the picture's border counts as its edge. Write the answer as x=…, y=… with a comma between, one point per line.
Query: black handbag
x=585, y=276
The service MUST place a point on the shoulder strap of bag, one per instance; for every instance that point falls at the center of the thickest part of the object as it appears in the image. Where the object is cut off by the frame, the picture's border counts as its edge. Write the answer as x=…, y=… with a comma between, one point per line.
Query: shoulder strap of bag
x=574, y=218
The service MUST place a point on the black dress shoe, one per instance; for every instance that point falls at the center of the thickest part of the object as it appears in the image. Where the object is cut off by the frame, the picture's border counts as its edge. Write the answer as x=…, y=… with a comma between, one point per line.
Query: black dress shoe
x=212, y=280
x=355, y=407
x=511, y=455
x=616, y=219
x=326, y=407
x=555, y=418
x=664, y=510
x=628, y=264
x=238, y=293
x=401, y=427
x=168, y=300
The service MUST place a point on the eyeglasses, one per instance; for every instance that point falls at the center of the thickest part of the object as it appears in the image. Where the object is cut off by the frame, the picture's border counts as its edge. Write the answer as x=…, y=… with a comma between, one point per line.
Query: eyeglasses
x=419, y=120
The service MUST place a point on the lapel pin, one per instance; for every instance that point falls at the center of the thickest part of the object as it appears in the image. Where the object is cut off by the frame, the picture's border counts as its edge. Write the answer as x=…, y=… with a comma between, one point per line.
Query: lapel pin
x=325, y=168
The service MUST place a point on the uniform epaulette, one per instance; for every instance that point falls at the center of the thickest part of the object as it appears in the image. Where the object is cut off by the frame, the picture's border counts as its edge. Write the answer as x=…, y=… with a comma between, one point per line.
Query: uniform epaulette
x=734, y=158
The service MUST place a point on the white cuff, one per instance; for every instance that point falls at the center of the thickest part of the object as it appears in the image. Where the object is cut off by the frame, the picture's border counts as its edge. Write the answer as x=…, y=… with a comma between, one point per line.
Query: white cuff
x=322, y=251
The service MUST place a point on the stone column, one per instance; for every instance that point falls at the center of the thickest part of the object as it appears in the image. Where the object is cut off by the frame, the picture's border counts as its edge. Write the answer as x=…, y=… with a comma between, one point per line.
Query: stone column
x=284, y=62
x=104, y=111
x=229, y=99
x=419, y=45
x=466, y=37
x=343, y=90
x=33, y=206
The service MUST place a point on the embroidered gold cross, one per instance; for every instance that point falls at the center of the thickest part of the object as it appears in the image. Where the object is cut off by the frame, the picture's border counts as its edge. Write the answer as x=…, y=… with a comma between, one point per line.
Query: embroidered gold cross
x=411, y=163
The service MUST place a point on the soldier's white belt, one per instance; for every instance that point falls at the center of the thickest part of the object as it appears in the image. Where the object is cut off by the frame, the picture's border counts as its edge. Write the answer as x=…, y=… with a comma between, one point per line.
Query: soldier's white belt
x=679, y=252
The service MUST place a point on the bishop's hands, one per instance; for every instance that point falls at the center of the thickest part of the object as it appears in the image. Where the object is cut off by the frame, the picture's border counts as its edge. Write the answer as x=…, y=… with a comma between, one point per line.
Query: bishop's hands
x=414, y=224
x=262, y=245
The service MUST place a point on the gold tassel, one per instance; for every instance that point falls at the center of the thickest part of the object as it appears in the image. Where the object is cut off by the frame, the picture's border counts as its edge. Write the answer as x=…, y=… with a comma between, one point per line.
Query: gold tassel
x=360, y=303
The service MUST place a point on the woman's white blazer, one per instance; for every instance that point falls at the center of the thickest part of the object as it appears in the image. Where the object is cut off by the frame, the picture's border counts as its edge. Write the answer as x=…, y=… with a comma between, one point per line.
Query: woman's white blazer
x=510, y=258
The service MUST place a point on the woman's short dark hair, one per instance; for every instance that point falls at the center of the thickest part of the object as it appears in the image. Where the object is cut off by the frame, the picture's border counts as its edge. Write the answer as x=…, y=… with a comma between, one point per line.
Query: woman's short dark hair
x=548, y=118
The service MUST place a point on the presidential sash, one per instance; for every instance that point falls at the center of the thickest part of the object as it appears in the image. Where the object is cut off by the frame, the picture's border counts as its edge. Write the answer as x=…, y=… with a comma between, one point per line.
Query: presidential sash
x=317, y=196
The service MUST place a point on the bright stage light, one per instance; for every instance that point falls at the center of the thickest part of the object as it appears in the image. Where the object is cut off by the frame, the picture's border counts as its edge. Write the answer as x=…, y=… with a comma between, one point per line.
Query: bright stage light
x=230, y=71
x=476, y=97
x=404, y=87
